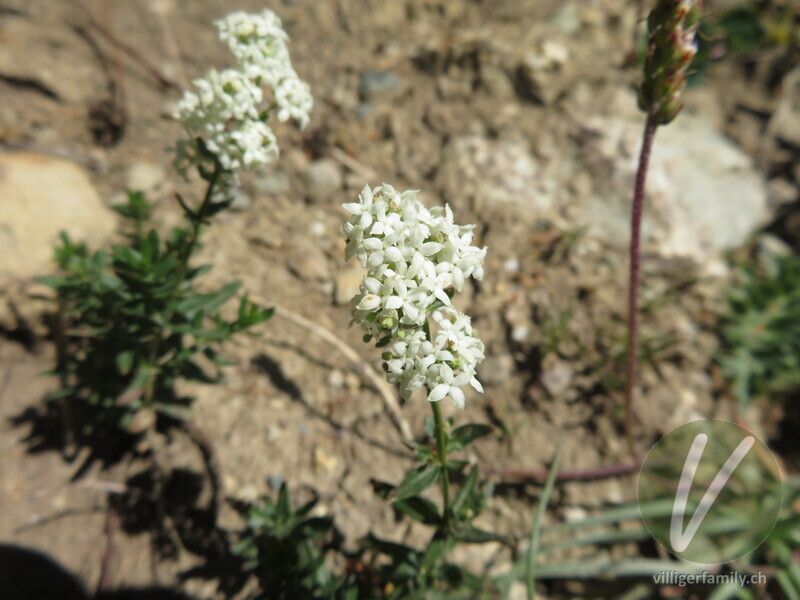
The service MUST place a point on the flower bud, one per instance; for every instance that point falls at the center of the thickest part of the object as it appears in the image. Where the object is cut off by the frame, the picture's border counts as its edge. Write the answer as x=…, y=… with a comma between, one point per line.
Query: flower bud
x=671, y=29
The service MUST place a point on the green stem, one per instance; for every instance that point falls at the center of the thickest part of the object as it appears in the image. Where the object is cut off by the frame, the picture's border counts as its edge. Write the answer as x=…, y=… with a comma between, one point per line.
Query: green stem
x=441, y=448
x=197, y=222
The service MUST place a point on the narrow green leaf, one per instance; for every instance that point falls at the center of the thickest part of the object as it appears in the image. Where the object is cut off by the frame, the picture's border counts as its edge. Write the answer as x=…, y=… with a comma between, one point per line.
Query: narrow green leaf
x=186, y=208
x=59, y=394
x=176, y=411
x=207, y=303
x=125, y=361
x=420, y=509
x=466, y=434
x=284, y=507
x=53, y=281
x=533, y=545
x=417, y=481
x=476, y=535
x=466, y=490
x=217, y=207
x=792, y=592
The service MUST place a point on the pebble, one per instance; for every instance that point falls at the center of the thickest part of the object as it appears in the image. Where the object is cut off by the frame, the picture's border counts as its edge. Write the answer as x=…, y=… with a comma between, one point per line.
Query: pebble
x=573, y=514
x=363, y=110
x=520, y=333
x=511, y=265
x=323, y=179
x=556, y=376
x=353, y=382
x=324, y=462
x=336, y=378
x=42, y=196
x=377, y=82
x=275, y=481
x=308, y=263
x=317, y=229
x=247, y=493
x=146, y=177
x=496, y=369
x=347, y=284
x=241, y=200
x=785, y=122
x=781, y=191
x=272, y=183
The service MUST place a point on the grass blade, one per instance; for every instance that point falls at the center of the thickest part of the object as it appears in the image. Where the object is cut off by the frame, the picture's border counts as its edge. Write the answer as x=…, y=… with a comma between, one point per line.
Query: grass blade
x=536, y=530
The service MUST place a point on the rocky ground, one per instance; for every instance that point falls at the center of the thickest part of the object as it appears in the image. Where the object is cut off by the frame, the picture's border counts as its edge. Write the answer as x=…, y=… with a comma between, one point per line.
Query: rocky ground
x=522, y=116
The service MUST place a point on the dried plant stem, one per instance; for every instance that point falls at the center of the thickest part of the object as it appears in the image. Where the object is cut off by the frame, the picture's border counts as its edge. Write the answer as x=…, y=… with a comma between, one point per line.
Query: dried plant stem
x=441, y=449
x=540, y=476
x=131, y=52
x=386, y=392
x=633, y=289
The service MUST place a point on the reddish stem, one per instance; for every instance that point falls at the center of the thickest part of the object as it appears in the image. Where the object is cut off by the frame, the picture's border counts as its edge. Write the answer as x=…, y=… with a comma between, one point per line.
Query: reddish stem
x=540, y=476
x=633, y=289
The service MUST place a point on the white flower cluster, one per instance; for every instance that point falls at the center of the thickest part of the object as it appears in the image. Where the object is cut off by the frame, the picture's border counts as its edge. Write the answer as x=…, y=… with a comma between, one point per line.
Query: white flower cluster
x=226, y=110
x=417, y=258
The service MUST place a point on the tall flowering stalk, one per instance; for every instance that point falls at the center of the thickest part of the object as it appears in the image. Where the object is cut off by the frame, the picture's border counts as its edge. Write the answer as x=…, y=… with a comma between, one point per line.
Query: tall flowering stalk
x=417, y=258
x=671, y=27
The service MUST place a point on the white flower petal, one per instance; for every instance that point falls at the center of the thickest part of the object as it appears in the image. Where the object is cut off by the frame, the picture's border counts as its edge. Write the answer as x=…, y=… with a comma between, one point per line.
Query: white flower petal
x=476, y=384
x=354, y=208
x=393, y=303
x=430, y=248
x=369, y=302
x=438, y=393
x=457, y=396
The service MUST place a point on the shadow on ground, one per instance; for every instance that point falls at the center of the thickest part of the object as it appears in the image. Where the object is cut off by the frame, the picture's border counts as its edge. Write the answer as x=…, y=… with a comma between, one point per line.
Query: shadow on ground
x=29, y=575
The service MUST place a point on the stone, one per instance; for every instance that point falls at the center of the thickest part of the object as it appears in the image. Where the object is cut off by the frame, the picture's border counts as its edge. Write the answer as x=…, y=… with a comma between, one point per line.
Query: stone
x=496, y=369
x=781, y=191
x=147, y=177
x=785, y=121
x=272, y=183
x=556, y=375
x=241, y=200
x=42, y=196
x=247, y=493
x=308, y=262
x=495, y=173
x=275, y=481
x=323, y=179
x=546, y=74
x=336, y=379
x=377, y=82
x=704, y=195
x=33, y=51
x=347, y=283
